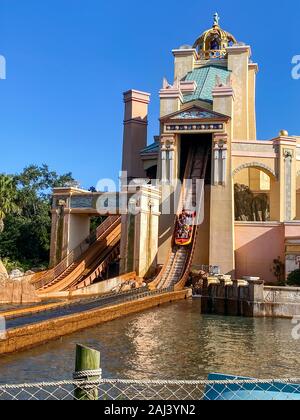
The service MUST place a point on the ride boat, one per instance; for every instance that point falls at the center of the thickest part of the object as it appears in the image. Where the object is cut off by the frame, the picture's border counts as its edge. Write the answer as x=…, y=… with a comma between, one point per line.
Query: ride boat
x=185, y=228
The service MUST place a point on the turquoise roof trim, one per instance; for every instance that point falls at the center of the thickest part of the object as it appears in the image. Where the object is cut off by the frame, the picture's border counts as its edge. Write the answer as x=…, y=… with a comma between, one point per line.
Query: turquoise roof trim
x=205, y=77
x=152, y=148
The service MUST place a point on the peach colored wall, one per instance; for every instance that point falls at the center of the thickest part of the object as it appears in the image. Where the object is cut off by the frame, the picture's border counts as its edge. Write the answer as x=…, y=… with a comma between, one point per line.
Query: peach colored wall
x=298, y=204
x=292, y=230
x=256, y=247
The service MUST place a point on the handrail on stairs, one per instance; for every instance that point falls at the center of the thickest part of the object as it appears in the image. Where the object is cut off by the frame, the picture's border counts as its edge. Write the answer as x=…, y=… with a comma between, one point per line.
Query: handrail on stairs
x=75, y=255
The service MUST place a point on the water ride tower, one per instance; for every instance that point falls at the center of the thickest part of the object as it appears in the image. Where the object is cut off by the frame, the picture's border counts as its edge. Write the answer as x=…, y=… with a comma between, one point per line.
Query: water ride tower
x=251, y=204
x=250, y=188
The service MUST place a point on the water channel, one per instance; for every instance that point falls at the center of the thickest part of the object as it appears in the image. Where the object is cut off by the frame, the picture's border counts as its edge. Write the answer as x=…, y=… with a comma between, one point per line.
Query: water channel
x=171, y=342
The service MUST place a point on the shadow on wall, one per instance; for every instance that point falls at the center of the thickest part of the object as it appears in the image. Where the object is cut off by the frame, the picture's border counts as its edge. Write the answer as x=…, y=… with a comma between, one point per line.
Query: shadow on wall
x=256, y=249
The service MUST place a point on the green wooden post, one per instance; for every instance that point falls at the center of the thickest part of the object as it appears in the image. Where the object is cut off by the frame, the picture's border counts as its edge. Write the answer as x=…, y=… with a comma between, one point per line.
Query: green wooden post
x=87, y=360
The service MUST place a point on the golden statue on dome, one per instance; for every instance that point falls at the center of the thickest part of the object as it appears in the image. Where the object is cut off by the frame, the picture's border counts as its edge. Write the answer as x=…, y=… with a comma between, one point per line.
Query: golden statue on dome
x=212, y=44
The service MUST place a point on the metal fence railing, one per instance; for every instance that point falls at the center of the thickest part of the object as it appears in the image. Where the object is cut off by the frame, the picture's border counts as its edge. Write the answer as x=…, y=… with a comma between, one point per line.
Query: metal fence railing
x=110, y=223
x=132, y=294
x=121, y=390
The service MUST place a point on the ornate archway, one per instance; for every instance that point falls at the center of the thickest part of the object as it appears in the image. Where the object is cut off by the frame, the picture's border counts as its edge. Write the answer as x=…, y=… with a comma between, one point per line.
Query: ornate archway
x=256, y=165
x=253, y=201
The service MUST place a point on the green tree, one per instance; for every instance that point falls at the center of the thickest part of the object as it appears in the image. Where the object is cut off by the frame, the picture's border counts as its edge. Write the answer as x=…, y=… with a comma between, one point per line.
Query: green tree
x=294, y=278
x=243, y=198
x=279, y=271
x=25, y=241
x=8, y=196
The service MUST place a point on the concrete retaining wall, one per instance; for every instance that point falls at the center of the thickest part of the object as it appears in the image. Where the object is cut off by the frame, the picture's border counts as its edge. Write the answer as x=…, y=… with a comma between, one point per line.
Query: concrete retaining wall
x=97, y=289
x=253, y=299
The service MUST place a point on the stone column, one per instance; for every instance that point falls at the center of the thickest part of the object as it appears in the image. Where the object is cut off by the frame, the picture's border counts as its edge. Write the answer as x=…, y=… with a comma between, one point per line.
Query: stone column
x=233, y=299
x=221, y=252
x=171, y=98
x=253, y=70
x=172, y=164
x=285, y=189
x=68, y=229
x=220, y=159
x=256, y=289
x=139, y=237
x=163, y=165
x=238, y=63
x=223, y=158
x=168, y=161
x=255, y=306
x=216, y=170
x=128, y=234
x=223, y=99
x=184, y=61
x=135, y=132
x=288, y=155
x=58, y=234
x=54, y=238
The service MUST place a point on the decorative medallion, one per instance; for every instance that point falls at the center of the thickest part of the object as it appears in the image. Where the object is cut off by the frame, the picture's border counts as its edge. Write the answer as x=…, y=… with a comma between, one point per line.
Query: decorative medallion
x=194, y=114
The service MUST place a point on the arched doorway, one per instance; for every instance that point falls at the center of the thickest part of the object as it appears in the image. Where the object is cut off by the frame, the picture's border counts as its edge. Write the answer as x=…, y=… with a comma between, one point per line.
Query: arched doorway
x=254, y=194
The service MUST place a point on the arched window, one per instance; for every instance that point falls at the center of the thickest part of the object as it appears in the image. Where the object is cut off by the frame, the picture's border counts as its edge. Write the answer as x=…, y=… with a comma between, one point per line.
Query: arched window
x=252, y=195
x=215, y=43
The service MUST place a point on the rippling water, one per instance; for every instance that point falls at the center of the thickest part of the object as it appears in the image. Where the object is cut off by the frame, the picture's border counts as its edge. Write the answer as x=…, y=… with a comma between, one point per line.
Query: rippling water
x=170, y=342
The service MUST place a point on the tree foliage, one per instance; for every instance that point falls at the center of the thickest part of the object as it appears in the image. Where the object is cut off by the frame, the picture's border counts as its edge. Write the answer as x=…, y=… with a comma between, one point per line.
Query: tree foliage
x=250, y=206
x=8, y=197
x=25, y=240
x=294, y=278
x=279, y=271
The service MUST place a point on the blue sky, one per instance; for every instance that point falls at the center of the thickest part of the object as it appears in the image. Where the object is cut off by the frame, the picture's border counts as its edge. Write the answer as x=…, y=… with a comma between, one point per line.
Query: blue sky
x=68, y=62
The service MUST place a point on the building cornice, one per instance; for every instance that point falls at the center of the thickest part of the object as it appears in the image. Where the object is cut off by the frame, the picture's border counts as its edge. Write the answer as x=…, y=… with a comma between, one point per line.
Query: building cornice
x=185, y=52
x=285, y=141
x=223, y=91
x=254, y=66
x=137, y=96
x=263, y=142
x=239, y=49
x=136, y=121
x=69, y=191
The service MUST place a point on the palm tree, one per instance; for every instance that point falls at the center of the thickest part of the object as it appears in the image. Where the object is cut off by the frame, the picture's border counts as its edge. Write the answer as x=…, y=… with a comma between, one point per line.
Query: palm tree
x=8, y=196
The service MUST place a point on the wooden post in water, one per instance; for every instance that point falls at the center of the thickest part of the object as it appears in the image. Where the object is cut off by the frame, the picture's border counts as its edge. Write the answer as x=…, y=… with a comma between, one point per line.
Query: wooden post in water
x=87, y=360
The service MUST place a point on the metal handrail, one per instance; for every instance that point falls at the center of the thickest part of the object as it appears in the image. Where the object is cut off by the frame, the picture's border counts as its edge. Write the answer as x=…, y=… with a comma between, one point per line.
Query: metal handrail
x=88, y=280
x=133, y=294
x=75, y=255
x=212, y=54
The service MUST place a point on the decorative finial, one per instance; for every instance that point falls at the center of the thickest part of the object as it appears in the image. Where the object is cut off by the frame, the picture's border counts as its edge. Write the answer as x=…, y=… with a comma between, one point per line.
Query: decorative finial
x=216, y=19
x=283, y=133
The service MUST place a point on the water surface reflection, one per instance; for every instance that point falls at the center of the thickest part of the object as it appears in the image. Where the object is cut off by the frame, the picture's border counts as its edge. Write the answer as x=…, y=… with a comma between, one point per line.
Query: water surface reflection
x=170, y=342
